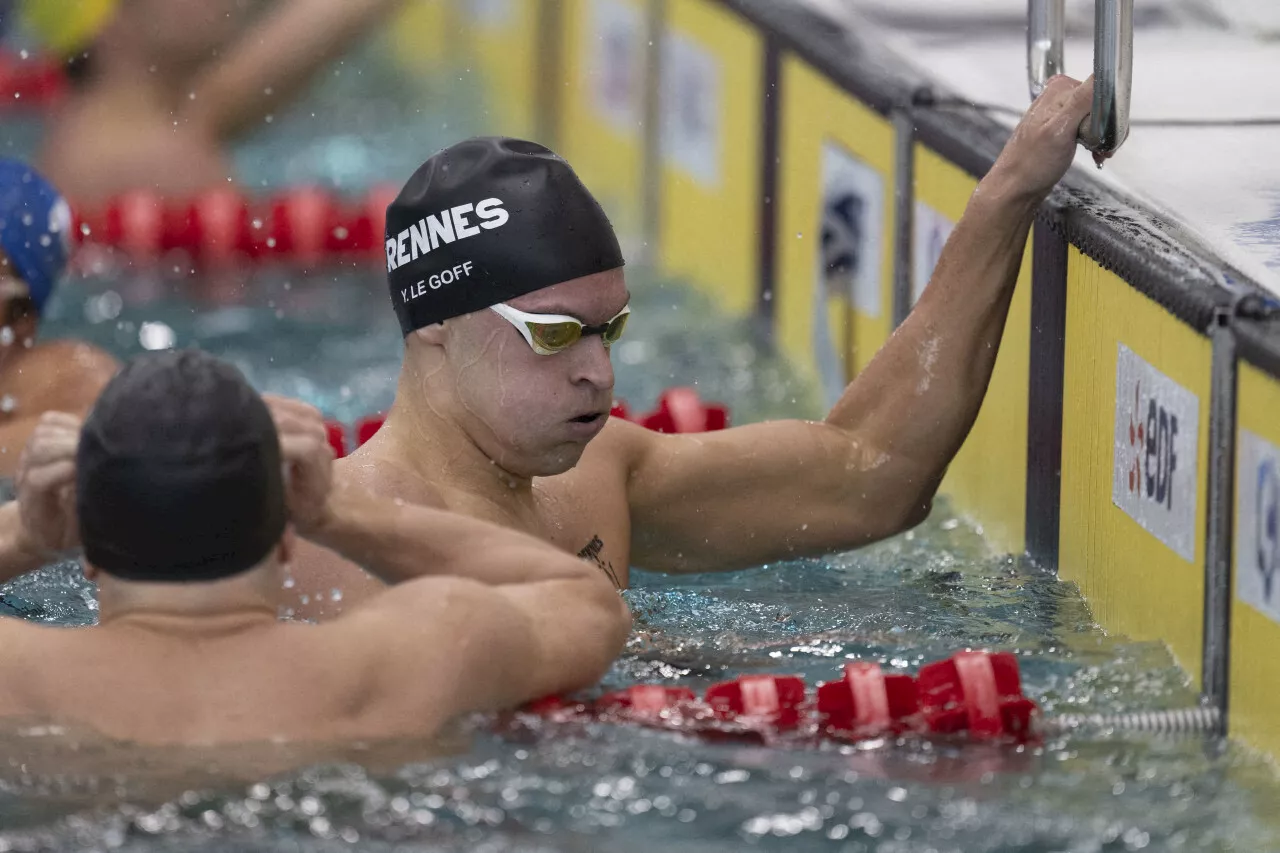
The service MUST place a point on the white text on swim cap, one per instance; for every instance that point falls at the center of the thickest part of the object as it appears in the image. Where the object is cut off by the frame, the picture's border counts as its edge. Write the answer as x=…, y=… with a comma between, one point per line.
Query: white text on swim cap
x=447, y=226
x=435, y=282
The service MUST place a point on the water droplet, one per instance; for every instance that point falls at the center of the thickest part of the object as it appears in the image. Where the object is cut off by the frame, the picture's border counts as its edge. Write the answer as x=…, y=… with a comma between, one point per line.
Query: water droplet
x=6, y=336
x=289, y=583
x=335, y=595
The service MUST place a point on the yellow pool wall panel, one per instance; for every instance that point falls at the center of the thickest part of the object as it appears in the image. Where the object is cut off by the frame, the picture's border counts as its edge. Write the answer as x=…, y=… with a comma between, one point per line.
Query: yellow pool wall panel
x=419, y=37
x=987, y=480
x=605, y=47
x=498, y=40
x=1137, y=554
x=1255, y=608
x=710, y=142
x=833, y=150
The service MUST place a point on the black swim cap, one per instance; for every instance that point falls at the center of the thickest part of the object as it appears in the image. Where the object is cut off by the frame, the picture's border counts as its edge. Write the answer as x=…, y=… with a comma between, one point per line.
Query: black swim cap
x=178, y=474
x=488, y=220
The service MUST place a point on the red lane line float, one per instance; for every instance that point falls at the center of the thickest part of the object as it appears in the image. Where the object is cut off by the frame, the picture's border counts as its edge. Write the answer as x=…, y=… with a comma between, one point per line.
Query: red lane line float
x=690, y=415
x=31, y=82
x=307, y=226
x=868, y=703
x=978, y=694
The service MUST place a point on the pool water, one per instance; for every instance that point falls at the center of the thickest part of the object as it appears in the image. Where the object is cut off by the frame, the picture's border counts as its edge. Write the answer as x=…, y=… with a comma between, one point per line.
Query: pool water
x=330, y=338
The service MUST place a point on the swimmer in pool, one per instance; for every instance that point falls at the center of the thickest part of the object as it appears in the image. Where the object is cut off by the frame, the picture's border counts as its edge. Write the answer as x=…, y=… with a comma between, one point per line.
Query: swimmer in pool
x=160, y=87
x=507, y=281
x=64, y=375
x=187, y=493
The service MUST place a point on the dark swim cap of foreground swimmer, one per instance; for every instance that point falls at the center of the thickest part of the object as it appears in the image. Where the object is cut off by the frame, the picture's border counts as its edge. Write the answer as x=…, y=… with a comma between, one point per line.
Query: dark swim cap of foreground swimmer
x=179, y=473
x=490, y=219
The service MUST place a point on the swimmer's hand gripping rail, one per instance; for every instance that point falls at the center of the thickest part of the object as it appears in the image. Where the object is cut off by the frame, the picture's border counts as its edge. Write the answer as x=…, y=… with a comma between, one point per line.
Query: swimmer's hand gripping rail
x=1108, y=125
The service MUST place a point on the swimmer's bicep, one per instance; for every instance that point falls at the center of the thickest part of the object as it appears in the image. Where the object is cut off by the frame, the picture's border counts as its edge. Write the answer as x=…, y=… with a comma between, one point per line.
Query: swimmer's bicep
x=752, y=494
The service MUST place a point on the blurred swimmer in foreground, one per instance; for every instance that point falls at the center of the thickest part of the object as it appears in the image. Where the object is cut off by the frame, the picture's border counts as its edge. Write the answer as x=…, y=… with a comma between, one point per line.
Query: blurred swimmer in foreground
x=159, y=87
x=187, y=491
x=507, y=280
x=35, y=240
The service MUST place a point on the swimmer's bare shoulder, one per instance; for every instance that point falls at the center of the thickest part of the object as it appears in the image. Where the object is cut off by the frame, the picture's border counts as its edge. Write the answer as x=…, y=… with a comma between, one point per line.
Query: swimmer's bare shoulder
x=619, y=447
x=21, y=651
x=65, y=375
x=416, y=648
x=378, y=474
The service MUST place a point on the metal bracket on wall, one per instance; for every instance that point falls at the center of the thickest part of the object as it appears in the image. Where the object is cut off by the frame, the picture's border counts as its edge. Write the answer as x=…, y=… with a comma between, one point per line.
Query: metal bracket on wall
x=904, y=194
x=651, y=132
x=1216, y=667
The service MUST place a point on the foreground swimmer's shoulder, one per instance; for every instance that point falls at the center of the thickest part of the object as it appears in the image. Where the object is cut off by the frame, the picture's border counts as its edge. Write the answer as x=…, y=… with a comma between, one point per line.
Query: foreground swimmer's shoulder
x=385, y=478
x=70, y=374
x=73, y=358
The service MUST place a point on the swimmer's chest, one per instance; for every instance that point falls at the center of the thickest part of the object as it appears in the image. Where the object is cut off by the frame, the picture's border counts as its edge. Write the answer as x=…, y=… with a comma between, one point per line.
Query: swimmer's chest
x=592, y=521
x=589, y=519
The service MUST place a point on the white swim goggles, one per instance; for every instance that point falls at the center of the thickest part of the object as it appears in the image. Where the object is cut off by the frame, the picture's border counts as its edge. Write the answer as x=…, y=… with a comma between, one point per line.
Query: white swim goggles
x=548, y=334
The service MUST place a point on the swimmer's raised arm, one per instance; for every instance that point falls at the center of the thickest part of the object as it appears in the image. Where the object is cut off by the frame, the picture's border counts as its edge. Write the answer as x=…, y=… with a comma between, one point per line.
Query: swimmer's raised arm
x=277, y=57
x=771, y=491
x=41, y=524
x=75, y=375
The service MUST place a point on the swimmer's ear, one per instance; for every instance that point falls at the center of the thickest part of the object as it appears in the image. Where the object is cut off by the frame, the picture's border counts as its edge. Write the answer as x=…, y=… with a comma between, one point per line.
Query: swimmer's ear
x=288, y=544
x=433, y=335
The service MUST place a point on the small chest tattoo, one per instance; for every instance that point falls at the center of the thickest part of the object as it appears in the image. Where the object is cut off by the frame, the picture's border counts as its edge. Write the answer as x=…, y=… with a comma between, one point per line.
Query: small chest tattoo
x=592, y=552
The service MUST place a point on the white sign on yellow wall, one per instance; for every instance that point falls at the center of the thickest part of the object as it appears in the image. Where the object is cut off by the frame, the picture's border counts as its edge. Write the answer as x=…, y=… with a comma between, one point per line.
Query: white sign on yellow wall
x=848, y=259
x=929, y=233
x=491, y=13
x=691, y=84
x=615, y=45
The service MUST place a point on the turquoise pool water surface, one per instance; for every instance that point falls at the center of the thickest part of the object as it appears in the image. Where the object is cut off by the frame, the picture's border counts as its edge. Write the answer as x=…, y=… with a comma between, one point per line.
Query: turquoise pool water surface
x=329, y=338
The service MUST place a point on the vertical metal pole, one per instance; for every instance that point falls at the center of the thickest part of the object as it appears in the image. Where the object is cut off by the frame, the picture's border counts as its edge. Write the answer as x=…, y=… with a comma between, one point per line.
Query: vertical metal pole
x=651, y=134
x=904, y=195
x=1044, y=396
x=548, y=70
x=770, y=156
x=1216, y=667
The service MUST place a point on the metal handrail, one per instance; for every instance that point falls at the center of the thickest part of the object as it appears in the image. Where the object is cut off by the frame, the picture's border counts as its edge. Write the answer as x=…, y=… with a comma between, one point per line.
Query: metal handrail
x=1108, y=125
x=1046, y=32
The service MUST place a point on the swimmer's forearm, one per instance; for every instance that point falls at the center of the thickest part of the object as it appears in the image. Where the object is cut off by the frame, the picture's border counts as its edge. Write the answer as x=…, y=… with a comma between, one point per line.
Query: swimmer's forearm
x=18, y=555
x=917, y=400
x=399, y=542
x=277, y=57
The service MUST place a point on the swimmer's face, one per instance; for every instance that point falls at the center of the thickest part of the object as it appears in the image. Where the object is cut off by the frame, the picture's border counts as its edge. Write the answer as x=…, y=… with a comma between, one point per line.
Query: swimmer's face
x=186, y=32
x=534, y=414
x=16, y=307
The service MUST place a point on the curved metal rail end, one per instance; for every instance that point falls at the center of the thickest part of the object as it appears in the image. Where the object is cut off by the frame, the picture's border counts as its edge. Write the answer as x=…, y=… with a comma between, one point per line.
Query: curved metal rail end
x=1108, y=126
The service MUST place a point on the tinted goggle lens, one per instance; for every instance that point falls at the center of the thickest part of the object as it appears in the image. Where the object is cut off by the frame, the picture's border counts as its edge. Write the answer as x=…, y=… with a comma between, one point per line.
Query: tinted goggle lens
x=556, y=337
x=614, y=330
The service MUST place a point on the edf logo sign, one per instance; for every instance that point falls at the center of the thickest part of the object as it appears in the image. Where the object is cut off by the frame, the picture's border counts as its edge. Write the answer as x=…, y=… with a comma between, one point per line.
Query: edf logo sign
x=1153, y=446
x=1154, y=475
x=1258, y=524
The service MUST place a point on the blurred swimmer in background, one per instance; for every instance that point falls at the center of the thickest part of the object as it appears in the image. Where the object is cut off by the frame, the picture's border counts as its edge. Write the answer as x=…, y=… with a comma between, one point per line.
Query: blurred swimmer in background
x=35, y=241
x=160, y=87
